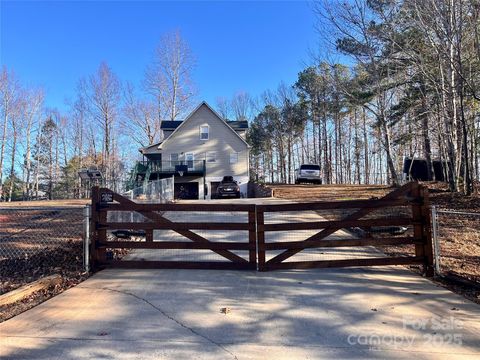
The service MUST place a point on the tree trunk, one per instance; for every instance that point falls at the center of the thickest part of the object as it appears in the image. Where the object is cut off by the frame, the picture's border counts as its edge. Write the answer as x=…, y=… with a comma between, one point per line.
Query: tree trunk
x=2, y=149
x=12, y=167
x=388, y=152
x=426, y=137
x=365, y=148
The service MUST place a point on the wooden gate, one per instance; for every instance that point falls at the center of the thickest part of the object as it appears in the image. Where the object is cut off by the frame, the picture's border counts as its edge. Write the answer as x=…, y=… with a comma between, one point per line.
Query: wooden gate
x=412, y=195
x=105, y=201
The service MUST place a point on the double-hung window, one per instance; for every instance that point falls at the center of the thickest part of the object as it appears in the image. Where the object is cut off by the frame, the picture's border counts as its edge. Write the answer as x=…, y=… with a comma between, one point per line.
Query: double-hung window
x=204, y=132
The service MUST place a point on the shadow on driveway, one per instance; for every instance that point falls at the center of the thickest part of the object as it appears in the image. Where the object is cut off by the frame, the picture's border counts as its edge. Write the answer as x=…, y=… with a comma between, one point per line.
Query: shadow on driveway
x=352, y=313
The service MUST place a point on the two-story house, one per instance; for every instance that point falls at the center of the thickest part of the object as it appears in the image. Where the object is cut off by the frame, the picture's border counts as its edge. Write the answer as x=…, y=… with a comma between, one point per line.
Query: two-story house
x=198, y=151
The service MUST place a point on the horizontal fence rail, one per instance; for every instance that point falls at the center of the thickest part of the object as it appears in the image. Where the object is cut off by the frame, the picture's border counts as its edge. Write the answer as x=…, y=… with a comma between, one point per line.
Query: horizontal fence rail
x=250, y=219
x=155, y=219
x=411, y=195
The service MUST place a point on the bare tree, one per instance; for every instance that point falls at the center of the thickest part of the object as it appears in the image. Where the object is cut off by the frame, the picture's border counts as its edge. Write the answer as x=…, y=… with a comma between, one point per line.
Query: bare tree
x=31, y=111
x=242, y=105
x=140, y=122
x=168, y=78
x=223, y=107
x=9, y=89
x=15, y=125
x=102, y=94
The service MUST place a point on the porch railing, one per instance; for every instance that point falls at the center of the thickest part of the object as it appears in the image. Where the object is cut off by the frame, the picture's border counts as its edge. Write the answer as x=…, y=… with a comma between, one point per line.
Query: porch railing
x=159, y=166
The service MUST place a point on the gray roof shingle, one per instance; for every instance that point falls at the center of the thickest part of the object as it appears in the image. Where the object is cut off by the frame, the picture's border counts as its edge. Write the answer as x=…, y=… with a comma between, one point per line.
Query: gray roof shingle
x=238, y=125
x=170, y=125
x=235, y=125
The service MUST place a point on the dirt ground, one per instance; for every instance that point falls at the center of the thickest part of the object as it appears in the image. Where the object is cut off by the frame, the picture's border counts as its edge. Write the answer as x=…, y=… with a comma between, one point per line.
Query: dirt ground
x=37, y=242
x=439, y=194
x=459, y=235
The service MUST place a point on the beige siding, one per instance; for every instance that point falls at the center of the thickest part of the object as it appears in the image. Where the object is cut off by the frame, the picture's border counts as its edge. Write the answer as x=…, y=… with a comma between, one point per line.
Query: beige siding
x=222, y=140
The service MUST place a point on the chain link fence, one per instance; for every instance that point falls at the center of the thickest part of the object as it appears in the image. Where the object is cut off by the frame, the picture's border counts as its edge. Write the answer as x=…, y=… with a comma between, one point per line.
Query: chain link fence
x=157, y=191
x=40, y=241
x=154, y=192
x=456, y=239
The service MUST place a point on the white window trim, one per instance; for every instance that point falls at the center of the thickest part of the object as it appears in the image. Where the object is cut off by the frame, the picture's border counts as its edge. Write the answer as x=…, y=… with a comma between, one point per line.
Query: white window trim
x=193, y=160
x=236, y=157
x=208, y=132
x=209, y=154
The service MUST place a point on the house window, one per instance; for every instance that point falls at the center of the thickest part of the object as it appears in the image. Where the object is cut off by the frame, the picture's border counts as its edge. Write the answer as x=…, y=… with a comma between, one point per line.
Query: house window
x=204, y=132
x=211, y=157
x=233, y=158
x=174, y=159
x=189, y=159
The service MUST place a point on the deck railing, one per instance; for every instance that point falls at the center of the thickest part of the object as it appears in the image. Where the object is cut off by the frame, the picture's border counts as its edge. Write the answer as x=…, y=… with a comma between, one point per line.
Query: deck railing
x=159, y=166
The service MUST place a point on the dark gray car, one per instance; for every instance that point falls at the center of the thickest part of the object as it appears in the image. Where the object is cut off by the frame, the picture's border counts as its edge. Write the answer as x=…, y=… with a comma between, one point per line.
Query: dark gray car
x=228, y=188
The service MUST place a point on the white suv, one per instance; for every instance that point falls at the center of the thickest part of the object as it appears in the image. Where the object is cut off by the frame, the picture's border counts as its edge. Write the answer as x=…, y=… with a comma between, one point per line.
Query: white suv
x=308, y=174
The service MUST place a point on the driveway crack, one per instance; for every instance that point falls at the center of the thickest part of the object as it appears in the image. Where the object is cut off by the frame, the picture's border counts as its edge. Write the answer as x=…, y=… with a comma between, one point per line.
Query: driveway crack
x=193, y=331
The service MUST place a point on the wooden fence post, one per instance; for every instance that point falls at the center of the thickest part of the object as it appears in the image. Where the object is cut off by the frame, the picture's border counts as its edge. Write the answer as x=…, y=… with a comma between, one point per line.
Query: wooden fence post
x=149, y=235
x=418, y=225
x=427, y=231
x=101, y=234
x=260, y=238
x=252, y=238
x=93, y=228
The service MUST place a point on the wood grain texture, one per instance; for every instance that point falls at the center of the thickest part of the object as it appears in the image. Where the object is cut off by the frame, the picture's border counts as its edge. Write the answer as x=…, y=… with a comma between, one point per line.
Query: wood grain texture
x=27, y=290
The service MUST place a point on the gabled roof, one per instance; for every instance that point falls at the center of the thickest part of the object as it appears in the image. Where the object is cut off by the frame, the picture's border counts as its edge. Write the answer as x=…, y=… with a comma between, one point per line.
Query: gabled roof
x=190, y=115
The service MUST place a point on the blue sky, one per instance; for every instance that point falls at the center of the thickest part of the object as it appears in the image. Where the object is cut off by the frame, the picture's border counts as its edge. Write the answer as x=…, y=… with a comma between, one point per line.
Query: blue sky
x=239, y=46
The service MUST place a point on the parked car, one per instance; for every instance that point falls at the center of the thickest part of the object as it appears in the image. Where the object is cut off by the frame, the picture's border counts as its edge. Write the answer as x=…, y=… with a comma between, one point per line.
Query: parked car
x=308, y=174
x=228, y=188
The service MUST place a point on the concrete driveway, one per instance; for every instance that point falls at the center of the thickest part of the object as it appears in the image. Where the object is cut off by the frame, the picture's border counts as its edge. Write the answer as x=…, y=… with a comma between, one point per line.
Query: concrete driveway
x=351, y=313
x=369, y=313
